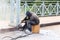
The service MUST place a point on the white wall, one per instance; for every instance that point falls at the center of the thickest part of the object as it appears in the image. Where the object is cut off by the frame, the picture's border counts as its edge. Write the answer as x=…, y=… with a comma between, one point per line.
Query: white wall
x=4, y=10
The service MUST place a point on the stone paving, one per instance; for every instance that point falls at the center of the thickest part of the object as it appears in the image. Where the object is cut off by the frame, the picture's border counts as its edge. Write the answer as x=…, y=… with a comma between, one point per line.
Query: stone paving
x=43, y=35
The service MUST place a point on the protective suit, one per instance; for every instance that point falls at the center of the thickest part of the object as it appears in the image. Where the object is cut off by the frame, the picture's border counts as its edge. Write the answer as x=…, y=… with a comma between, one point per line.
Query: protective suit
x=30, y=19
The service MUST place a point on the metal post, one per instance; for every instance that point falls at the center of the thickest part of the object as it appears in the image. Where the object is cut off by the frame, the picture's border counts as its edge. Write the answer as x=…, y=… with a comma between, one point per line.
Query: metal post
x=17, y=11
x=12, y=11
x=50, y=9
x=57, y=8
x=43, y=7
x=25, y=6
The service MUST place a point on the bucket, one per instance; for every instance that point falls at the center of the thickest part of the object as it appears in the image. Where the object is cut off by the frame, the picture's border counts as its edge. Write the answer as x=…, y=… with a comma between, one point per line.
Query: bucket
x=35, y=28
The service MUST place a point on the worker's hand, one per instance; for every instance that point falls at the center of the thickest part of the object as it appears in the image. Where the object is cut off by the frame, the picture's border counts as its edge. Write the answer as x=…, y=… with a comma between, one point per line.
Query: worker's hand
x=22, y=21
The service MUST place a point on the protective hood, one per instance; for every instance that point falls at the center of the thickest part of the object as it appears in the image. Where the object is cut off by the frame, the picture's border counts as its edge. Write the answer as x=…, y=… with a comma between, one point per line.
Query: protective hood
x=29, y=14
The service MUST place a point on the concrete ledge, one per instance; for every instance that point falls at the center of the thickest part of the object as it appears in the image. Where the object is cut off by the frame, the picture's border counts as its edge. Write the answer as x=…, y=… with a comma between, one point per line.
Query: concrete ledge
x=15, y=29
x=44, y=21
x=50, y=24
x=49, y=21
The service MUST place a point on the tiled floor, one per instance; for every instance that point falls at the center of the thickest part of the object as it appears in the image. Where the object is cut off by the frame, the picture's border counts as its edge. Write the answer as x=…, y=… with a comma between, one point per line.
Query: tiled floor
x=55, y=28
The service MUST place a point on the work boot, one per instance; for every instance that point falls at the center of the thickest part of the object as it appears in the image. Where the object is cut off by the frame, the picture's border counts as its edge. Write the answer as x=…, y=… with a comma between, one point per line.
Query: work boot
x=27, y=31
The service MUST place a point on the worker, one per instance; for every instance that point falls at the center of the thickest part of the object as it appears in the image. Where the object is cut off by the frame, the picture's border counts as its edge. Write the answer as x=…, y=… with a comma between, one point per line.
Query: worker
x=29, y=20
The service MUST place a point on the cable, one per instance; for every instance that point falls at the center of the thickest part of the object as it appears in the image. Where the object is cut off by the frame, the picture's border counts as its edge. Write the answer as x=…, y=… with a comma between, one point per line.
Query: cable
x=17, y=37
x=20, y=37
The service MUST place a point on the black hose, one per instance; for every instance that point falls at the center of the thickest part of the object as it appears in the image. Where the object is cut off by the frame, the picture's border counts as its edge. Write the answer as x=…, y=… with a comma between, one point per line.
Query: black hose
x=16, y=37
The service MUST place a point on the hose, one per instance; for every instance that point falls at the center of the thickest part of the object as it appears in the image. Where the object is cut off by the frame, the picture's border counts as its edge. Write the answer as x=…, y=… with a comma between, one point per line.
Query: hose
x=17, y=37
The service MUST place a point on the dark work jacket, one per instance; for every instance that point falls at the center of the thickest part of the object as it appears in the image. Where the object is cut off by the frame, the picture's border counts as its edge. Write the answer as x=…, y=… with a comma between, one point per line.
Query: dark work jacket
x=34, y=20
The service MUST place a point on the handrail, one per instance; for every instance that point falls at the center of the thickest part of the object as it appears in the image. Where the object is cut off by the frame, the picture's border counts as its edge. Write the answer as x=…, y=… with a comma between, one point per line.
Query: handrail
x=41, y=1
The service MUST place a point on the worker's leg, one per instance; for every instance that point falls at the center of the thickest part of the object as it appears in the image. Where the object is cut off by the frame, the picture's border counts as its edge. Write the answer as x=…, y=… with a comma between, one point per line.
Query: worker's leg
x=25, y=26
x=29, y=26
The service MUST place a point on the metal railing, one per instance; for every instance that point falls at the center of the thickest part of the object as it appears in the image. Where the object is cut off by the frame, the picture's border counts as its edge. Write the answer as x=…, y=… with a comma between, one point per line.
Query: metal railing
x=16, y=10
x=46, y=8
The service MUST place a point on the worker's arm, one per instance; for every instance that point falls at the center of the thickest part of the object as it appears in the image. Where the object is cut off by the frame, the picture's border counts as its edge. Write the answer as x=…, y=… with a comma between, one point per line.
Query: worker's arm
x=26, y=18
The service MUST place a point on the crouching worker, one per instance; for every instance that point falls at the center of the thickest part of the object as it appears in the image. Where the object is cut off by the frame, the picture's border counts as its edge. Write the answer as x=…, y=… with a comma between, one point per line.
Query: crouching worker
x=31, y=22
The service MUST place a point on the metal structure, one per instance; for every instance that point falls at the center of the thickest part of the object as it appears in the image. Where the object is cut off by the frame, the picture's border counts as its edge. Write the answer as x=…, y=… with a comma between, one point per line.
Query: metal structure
x=43, y=9
x=15, y=12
